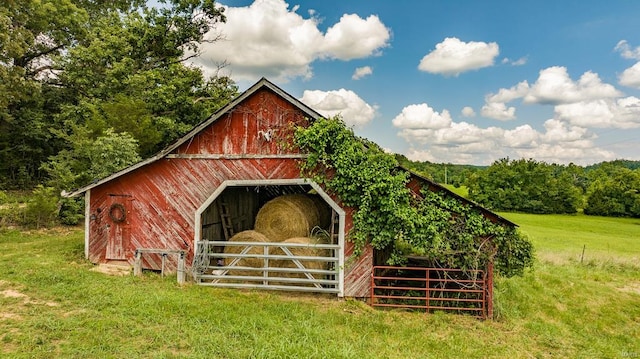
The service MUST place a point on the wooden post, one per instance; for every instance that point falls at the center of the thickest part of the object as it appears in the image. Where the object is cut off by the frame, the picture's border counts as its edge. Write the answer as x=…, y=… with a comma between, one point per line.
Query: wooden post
x=181, y=268
x=137, y=265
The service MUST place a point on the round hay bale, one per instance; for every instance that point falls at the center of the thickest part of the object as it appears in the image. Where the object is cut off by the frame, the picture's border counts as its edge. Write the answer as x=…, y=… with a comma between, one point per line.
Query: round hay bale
x=301, y=251
x=287, y=216
x=246, y=236
x=324, y=211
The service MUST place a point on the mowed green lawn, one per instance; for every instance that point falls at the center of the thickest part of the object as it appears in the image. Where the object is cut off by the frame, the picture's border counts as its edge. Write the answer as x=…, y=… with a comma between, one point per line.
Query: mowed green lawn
x=52, y=305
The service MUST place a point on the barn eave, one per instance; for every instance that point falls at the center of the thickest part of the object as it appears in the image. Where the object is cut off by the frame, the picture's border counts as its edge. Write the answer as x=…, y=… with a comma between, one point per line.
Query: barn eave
x=441, y=188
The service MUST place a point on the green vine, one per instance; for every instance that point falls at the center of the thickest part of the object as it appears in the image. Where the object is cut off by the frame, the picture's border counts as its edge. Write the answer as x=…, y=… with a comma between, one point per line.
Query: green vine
x=387, y=216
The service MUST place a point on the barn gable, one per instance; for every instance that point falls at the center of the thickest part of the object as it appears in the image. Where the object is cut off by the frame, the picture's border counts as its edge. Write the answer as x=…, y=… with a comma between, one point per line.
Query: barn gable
x=185, y=142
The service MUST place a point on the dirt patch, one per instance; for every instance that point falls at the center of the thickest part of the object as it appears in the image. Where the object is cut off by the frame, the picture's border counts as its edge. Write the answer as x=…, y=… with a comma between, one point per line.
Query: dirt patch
x=73, y=313
x=7, y=346
x=631, y=288
x=12, y=293
x=9, y=316
x=114, y=270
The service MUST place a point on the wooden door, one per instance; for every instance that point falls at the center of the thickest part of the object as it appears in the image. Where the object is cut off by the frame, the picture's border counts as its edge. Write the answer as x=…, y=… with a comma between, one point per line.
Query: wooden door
x=119, y=229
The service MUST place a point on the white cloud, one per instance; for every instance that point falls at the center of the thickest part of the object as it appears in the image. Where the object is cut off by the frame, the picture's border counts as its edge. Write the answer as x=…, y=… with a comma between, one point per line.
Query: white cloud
x=521, y=137
x=468, y=112
x=465, y=133
x=495, y=104
x=361, y=72
x=554, y=86
x=508, y=95
x=498, y=111
x=452, y=56
x=587, y=102
x=626, y=51
x=558, y=131
x=268, y=39
x=584, y=154
x=418, y=155
x=439, y=155
x=422, y=117
x=631, y=76
x=603, y=113
x=462, y=142
x=519, y=62
x=354, y=110
x=354, y=37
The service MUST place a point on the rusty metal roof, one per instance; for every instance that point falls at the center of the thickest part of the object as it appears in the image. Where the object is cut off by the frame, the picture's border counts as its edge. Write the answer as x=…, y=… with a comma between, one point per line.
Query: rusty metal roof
x=449, y=192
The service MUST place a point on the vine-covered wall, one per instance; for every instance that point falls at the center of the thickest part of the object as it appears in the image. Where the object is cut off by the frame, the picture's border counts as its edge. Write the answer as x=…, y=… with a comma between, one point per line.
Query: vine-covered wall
x=448, y=231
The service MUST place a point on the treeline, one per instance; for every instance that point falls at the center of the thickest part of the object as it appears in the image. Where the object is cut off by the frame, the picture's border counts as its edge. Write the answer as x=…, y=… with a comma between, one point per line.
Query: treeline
x=89, y=87
x=445, y=173
x=530, y=186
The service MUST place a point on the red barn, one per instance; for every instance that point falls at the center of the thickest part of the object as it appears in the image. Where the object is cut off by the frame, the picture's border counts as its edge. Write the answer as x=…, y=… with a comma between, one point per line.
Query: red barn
x=209, y=185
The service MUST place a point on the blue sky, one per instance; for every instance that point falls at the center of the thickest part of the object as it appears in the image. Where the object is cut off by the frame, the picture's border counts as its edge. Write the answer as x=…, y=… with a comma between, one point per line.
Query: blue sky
x=464, y=82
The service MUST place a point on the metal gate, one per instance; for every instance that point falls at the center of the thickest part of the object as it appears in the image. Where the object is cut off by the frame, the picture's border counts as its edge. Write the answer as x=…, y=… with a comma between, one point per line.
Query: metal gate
x=272, y=266
x=433, y=289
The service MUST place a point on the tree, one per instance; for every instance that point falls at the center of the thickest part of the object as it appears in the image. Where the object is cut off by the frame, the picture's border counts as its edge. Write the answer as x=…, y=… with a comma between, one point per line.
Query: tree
x=527, y=186
x=32, y=33
x=90, y=159
x=447, y=173
x=101, y=65
x=615, y=191
x=130, y=75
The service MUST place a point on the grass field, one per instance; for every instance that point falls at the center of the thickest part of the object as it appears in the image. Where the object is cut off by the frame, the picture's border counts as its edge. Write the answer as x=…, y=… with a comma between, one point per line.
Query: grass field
x=53, y=306
x=562, y=238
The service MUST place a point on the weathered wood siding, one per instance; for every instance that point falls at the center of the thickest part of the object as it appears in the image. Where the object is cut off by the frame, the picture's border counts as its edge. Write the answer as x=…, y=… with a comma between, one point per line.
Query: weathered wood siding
x=161, y=198
x=358, y=269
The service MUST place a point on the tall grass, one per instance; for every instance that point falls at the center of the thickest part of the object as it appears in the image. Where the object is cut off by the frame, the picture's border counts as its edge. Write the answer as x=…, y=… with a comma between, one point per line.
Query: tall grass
x=53, y=306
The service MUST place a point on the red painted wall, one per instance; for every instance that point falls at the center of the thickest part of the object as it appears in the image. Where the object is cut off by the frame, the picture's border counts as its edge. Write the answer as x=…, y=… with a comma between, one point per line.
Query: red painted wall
x=161, y=198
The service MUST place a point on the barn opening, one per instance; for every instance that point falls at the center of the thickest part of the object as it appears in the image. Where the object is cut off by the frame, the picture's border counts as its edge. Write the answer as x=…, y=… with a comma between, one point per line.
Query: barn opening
x=282, y=235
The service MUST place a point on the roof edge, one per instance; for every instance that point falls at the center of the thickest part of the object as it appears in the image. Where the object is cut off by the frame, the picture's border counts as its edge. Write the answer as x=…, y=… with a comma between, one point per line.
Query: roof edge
x=457, y=196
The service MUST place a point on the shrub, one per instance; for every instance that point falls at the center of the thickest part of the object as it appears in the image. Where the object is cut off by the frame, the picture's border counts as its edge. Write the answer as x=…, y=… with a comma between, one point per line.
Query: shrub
x=42, y=208
x=71, y=211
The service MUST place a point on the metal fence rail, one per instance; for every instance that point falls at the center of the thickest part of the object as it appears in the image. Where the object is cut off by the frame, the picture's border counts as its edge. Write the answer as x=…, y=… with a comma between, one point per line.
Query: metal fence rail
x=275, y=266
x=433, y=289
